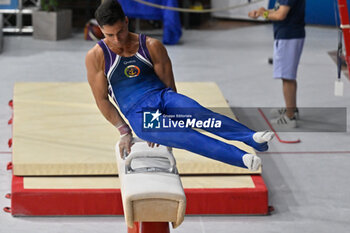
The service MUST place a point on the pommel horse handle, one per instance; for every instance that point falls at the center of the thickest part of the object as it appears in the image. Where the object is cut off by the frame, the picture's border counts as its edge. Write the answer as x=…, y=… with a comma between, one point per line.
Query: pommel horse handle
x=134, y=155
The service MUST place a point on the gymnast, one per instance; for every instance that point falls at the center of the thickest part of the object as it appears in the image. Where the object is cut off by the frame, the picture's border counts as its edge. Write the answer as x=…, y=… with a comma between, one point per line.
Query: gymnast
x=136, y=72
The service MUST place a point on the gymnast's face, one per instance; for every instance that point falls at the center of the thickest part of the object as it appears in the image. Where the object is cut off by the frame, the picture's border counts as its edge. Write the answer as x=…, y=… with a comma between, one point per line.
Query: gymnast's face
x=116, y=34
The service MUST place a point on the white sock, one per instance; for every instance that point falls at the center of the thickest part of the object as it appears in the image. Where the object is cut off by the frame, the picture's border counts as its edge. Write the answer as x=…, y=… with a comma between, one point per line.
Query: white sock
x=253, y=162
x=263, y=136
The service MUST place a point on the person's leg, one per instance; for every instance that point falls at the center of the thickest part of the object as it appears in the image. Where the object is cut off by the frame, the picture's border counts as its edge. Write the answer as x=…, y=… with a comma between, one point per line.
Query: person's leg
x=290, y=96
x=174, y=103
x=191, y=140
x=287, y=55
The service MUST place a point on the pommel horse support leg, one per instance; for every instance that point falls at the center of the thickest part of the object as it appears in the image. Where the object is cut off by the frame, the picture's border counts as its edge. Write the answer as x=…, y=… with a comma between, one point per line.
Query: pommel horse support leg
x=151, y=188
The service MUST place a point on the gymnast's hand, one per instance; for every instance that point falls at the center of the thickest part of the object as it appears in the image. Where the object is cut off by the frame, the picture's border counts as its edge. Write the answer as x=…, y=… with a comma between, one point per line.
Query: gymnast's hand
x=125, y=144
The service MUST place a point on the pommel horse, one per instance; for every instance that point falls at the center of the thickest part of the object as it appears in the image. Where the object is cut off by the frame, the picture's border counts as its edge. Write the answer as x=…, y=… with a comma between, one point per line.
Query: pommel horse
x=151, y=188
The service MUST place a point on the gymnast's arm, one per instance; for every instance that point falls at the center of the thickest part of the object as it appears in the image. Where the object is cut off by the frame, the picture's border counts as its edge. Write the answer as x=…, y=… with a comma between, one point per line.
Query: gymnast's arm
x=161, y=62
x=94, y=62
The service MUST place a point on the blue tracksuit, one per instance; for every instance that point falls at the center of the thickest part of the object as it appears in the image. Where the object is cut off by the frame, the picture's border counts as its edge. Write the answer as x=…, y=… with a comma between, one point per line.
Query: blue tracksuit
x=134, y=86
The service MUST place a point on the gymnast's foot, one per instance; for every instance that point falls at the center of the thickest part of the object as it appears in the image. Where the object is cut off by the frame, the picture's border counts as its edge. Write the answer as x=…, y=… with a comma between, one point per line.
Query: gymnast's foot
x=263, y=136
x=260, y=139
x=252, y=162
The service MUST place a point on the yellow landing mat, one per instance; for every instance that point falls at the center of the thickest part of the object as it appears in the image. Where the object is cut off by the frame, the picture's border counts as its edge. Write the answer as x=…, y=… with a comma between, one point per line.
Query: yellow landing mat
x=58, y=130
x=197, y=182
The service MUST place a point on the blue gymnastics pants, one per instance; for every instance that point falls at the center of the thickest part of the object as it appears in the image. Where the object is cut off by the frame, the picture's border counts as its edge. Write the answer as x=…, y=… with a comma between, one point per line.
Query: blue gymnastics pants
x=171, y=103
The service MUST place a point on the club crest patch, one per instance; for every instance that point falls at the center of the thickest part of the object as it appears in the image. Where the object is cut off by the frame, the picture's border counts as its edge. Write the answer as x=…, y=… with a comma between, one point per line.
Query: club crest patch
x=132, y=71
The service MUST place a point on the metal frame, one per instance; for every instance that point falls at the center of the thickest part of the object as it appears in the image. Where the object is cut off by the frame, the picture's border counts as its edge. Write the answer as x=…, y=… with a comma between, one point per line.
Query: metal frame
x=25, y=7
x=345, y=26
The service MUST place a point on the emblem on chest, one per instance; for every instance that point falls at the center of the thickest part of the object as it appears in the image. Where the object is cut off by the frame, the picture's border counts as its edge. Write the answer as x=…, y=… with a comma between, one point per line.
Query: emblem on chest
x=132, y=71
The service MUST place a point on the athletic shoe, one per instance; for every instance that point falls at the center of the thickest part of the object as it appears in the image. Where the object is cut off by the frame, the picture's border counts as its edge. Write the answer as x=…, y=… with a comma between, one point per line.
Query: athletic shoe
x=285, y=122
x=277, y=112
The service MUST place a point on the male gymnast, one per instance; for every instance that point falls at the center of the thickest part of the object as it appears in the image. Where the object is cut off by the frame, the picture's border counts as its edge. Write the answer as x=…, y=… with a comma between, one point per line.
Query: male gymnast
x=136, y=72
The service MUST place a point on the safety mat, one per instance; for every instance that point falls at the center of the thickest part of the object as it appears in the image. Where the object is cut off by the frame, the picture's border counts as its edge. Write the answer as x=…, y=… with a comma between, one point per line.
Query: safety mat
x=49, y=196
x=58, y=130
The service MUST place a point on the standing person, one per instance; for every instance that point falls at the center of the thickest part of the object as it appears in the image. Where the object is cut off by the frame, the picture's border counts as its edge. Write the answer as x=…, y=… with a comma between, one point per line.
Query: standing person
x=136, y=72
x=289, y=35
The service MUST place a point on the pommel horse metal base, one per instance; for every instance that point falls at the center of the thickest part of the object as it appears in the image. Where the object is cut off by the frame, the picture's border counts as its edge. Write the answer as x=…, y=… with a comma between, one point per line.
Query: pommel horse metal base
x=152, y=193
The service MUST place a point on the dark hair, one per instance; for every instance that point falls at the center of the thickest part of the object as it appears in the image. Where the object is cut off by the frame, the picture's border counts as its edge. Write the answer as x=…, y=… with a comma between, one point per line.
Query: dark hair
x=109, y=12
